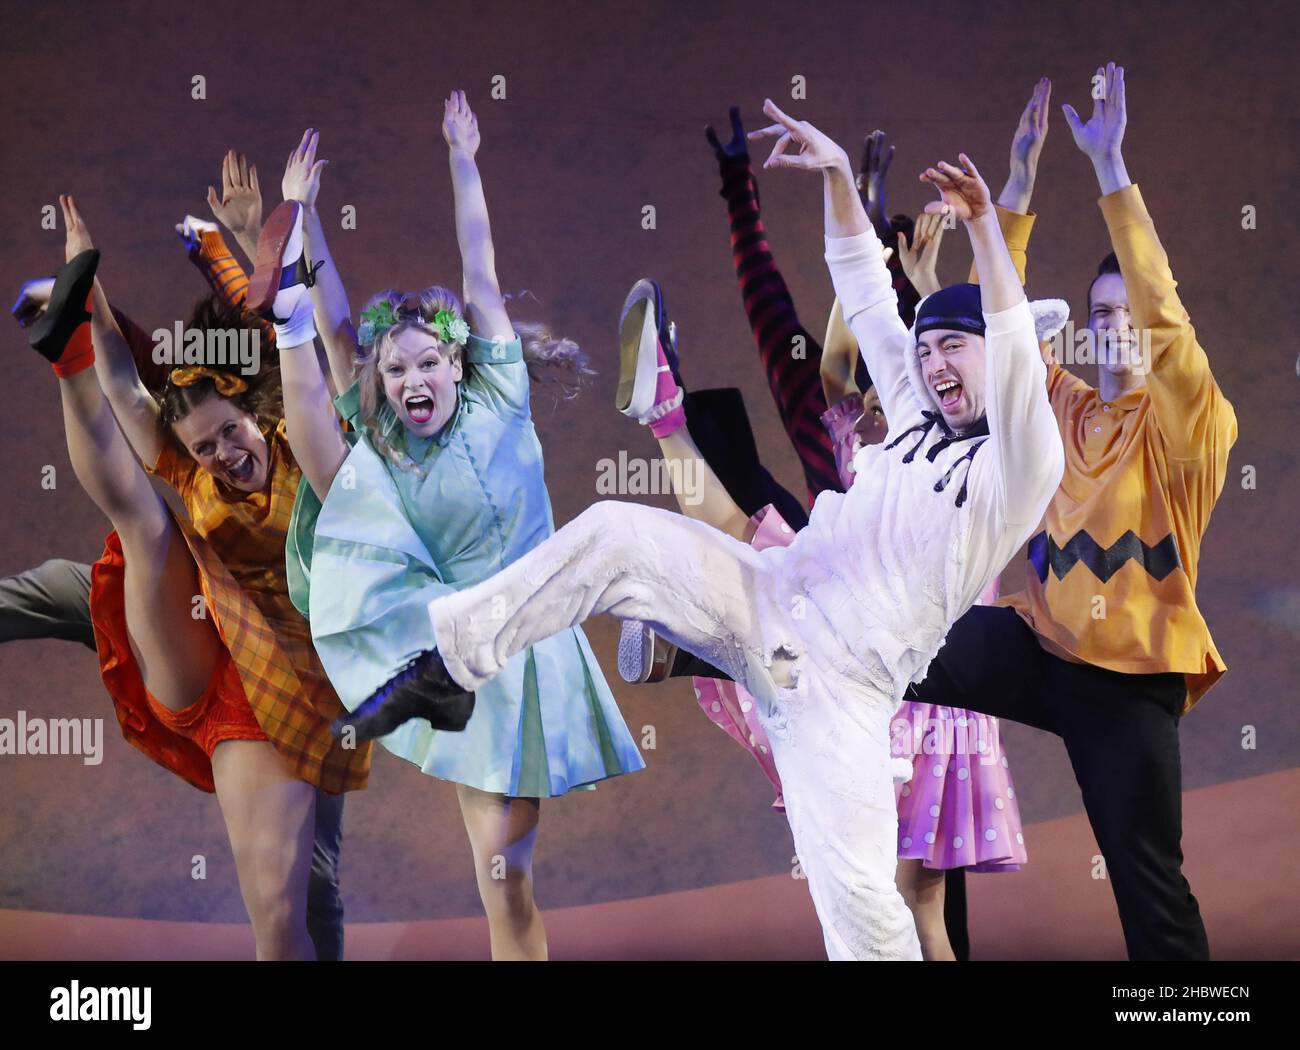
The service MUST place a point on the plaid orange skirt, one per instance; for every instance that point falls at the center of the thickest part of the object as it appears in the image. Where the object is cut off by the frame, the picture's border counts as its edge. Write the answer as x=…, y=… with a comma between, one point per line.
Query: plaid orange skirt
x=268, y=685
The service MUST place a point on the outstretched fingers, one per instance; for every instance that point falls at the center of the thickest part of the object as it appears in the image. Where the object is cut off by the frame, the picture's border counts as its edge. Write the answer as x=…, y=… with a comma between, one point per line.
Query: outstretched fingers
x=774, y=111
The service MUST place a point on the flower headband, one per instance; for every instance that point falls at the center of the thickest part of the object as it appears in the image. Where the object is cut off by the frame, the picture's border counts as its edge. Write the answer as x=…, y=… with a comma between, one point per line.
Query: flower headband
x=227, y=383
x=381, y=317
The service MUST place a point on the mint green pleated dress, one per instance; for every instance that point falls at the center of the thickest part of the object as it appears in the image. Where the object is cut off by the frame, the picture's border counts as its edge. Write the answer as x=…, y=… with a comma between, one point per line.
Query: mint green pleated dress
x=364, y=565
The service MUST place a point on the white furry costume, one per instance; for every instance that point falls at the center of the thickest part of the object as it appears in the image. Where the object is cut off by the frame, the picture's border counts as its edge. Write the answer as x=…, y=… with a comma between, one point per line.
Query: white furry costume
x=828, y=632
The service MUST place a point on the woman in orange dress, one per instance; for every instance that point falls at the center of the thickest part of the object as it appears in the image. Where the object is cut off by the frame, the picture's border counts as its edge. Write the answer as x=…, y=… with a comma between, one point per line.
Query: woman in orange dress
x=211, y=670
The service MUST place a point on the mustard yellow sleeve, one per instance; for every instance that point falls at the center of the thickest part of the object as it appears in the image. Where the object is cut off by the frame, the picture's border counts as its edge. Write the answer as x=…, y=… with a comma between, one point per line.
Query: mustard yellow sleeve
x=1016, y=229
x=1194, y=417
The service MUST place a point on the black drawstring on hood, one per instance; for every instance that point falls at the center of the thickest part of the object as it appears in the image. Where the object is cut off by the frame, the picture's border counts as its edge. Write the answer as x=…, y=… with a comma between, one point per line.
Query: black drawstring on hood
x=979, y=430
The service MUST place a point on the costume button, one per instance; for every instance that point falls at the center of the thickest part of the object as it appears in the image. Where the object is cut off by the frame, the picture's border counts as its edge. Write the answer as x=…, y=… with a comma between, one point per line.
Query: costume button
x=1096, y=430
x=1105, y=408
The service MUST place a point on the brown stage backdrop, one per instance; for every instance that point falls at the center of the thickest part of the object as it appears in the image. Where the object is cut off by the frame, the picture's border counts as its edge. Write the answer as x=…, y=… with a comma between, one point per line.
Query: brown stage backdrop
x=604, y=114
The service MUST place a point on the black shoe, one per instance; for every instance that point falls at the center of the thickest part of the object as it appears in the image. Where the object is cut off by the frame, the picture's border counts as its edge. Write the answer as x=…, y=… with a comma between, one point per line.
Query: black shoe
x=421, y=689
x=66, y=311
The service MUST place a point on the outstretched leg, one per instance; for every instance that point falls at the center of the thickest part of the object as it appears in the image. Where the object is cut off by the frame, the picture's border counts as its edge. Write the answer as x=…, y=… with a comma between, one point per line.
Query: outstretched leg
x=704, y=591
x=791, y=354
x=176, y=652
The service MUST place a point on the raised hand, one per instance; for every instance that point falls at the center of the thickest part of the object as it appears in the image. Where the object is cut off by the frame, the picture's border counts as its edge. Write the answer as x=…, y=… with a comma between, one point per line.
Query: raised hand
x=239, y=208
x=1101, y=138
x=78, y=237
x=961, y=190
x=920, y=259
x=817, y=151
x=459, y=124
x=734, y=149
x=877, y=155
x=302, y=170
x=1031, y=133
x=1103, y=134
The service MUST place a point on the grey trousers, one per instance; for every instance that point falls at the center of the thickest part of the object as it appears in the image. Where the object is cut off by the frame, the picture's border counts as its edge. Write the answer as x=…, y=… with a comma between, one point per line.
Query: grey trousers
x=53, y=601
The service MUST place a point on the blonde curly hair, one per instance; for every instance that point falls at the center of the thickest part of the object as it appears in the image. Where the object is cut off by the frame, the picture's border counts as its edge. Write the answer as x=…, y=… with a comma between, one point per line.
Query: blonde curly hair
x=551, y=360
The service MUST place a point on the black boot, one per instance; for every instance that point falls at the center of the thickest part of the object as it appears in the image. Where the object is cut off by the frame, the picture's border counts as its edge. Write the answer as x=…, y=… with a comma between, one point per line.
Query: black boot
x=66, y=311
x=421, y=689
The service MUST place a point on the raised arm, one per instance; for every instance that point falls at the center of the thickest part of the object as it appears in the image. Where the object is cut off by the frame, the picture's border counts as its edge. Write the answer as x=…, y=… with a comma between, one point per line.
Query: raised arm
x=485, y=310
x=239, y=206
x=1194, y=418
x=920, y=259
x=1027, y=458
x=1014, y=216
x=301, y=182
x=855, y=258
x=311, y=422
x=136, y=411
x=839, y=363
x=839, y=359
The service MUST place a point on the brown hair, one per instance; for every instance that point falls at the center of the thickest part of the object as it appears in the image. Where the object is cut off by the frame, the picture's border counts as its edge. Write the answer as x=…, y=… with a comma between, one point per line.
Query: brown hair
x=262, y=398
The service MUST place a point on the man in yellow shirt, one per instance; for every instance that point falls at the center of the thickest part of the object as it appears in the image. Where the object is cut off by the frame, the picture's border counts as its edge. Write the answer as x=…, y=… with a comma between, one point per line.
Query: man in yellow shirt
x=1106, y=647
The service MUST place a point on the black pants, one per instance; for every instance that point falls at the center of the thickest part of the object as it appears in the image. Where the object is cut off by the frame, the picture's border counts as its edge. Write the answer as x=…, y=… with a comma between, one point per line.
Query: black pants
x=53, y=601
x=1121, y=733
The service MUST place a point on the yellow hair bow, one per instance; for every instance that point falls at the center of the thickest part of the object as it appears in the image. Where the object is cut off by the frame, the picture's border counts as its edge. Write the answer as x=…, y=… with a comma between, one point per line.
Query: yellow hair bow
x=227, y=383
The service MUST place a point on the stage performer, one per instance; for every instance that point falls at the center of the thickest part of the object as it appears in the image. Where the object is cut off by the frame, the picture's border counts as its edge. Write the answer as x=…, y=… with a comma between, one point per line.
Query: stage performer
x=441, y=486
x=959, y=809
x=1106, y=647
x=52, y=600
x=231, y=699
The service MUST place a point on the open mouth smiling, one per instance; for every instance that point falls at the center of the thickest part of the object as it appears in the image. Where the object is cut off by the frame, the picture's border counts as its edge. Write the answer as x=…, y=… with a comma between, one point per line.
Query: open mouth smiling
x=949, y=392
x=241, y=471
x=419, y=408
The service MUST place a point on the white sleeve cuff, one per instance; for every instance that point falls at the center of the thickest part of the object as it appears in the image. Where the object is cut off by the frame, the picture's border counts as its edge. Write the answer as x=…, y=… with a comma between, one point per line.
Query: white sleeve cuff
x=844, y=249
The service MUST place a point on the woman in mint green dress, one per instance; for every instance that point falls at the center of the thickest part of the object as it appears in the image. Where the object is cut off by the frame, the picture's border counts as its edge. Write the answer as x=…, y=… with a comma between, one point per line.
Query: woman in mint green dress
x=437, y=484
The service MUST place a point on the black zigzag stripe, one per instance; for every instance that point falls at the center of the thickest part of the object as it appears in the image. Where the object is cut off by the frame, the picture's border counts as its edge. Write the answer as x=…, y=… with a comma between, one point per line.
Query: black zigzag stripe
x=1159, y=561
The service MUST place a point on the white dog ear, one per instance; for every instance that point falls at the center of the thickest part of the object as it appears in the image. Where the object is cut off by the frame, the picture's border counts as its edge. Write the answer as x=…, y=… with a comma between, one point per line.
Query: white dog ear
x=1050, y=316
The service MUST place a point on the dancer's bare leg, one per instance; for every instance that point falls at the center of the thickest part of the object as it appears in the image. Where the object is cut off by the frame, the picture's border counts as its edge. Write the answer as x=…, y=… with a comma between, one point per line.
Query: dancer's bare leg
x=922, y=889
x=176, y=652
x=700, y=494
x=503, y=834
x=271, y=819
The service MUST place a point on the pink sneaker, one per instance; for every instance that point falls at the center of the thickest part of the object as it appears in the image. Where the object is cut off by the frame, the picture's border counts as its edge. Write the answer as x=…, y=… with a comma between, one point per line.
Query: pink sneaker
x=648, y=389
